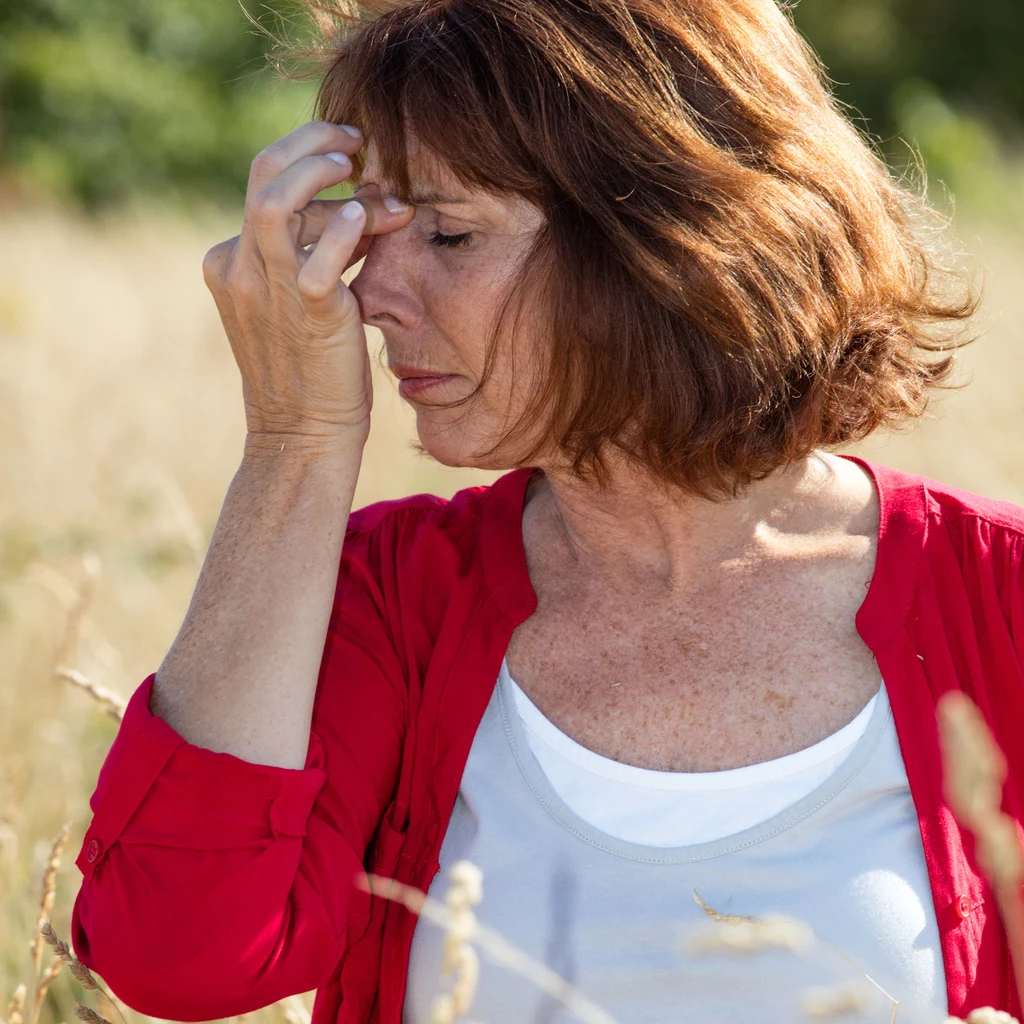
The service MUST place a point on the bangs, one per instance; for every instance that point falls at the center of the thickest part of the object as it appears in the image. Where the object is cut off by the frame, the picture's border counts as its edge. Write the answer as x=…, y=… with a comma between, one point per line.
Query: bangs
x=426, y=84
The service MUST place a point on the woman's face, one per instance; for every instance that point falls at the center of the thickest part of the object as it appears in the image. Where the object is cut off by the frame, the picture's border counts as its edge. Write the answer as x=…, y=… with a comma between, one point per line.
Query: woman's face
x=434, y=289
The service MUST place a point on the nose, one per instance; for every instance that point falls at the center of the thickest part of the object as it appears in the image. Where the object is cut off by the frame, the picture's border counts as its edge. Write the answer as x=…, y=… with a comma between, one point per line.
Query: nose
x=386, y=286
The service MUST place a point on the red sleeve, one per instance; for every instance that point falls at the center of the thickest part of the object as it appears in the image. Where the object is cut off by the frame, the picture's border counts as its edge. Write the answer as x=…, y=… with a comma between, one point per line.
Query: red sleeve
x=213, y=885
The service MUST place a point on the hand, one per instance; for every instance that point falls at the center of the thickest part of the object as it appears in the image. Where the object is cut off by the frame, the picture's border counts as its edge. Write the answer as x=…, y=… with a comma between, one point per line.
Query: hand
x=294, y=326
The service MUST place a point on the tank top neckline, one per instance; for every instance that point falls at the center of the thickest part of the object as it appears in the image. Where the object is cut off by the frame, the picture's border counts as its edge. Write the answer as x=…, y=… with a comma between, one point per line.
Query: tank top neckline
x=556, y=808
x=648, y=778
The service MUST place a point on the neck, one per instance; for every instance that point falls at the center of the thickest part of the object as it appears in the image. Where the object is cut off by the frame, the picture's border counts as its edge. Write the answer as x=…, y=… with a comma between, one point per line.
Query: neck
x=636, y=527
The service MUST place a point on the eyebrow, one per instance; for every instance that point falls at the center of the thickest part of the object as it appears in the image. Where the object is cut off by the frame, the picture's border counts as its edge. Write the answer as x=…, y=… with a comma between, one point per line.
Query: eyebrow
x=425, y=197
x=431, y=197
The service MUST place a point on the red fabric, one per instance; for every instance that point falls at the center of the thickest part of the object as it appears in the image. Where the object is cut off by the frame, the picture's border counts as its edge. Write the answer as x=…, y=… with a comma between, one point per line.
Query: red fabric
x=213, y=886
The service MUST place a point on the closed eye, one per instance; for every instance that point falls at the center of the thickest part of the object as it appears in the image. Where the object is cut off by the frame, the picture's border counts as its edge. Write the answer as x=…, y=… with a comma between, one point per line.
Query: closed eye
x=450, y=241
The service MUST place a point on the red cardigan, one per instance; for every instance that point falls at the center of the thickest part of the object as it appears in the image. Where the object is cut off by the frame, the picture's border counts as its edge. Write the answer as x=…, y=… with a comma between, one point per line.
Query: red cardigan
x=213, y=886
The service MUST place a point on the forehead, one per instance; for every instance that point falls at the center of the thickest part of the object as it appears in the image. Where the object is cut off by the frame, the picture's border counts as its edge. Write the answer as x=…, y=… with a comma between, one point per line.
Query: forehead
x=434, y=184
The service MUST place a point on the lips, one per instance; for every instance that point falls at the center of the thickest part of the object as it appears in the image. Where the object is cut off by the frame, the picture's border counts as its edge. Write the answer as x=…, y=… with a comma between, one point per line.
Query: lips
x=414, y=381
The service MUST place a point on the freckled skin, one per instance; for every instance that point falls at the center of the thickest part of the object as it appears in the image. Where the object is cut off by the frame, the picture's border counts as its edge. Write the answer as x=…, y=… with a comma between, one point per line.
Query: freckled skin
x=734, y=667
x=671, y=633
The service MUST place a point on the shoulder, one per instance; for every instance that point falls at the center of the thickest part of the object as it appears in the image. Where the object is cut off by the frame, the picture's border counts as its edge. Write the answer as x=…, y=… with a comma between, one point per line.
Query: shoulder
x=425, y=554
x=920, y=512
x=423, y=513
x=911, y=493
x=949, y=568
x=417, y=525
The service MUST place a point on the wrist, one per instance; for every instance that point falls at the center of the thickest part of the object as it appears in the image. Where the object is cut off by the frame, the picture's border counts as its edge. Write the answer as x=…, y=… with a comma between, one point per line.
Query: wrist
x=293, y=447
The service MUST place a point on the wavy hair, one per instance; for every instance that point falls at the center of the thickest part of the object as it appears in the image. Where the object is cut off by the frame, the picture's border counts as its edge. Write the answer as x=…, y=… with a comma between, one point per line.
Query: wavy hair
x=730, y=273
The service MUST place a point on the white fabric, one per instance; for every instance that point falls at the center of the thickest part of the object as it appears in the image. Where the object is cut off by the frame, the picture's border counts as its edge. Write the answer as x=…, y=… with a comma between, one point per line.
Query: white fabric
x=677, y=808
x=617, y=917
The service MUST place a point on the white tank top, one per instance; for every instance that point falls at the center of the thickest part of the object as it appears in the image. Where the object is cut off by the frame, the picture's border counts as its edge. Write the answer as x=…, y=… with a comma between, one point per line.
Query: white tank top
x=677, y=808
x=613, y=915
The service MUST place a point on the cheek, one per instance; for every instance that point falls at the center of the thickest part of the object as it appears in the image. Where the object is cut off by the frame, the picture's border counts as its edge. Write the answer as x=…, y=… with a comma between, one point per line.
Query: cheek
x=462, y=304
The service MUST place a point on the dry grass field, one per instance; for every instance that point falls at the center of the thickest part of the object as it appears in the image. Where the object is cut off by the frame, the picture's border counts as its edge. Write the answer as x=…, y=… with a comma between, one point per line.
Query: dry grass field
x=121, y=427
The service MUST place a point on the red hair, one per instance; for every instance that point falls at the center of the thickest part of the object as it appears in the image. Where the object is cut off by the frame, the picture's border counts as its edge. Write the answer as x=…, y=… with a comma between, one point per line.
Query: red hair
x=730, y=272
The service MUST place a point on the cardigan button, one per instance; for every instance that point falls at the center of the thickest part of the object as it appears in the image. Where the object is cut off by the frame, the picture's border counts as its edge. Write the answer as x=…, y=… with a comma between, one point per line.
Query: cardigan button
x=963, y=907
x=92, y=851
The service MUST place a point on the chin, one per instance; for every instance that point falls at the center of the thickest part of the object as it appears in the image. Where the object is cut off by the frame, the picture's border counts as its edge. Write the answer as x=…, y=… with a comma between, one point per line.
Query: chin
x=451, y=444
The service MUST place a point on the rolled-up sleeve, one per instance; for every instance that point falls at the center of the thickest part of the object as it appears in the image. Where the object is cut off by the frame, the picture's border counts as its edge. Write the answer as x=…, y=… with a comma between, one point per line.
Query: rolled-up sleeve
x=212, y=885
x=193, y=857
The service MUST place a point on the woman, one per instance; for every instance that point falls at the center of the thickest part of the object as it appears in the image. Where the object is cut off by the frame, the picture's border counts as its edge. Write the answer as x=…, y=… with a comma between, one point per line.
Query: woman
x=631, y=252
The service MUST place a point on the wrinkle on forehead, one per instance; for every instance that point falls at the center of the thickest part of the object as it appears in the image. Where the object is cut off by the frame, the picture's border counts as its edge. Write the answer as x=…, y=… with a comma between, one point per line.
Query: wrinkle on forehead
x=434, y=186
x=432, y=183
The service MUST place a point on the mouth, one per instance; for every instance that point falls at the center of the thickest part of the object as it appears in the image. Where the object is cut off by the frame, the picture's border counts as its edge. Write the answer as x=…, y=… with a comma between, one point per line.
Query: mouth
x=413, y=382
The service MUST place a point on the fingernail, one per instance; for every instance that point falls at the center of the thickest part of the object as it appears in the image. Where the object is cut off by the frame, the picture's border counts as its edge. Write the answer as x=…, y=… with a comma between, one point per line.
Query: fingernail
x=339, y=158
x=393, y=205
x=352, y=130
x=353, y=210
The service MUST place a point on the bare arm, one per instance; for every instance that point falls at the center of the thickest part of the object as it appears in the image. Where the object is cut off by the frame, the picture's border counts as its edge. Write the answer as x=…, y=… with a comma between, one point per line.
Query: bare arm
x=241, y=675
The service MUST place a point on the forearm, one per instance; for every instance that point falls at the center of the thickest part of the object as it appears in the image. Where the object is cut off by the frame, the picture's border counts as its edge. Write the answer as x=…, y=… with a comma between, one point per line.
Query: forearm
x=241, y=675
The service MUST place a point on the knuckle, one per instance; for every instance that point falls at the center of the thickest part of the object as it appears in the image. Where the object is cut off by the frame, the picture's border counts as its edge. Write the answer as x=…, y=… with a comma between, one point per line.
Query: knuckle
x=215, y=261
x=311, y=287
x=322, y=131
x=268, y=162
x=242, y=285
x=265, y=206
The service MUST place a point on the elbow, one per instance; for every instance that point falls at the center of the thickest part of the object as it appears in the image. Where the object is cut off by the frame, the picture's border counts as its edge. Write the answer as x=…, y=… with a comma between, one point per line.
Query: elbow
x=177, y=961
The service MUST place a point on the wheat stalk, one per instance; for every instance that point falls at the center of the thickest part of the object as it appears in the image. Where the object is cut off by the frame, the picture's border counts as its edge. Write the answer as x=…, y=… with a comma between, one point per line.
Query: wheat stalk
x=78, y=970
x=16, y=1005
x=748, y=934
x=43, y=986
x=184, y=518
x=111, y=702
x=67, y=650
x=457, y=954
x=89, y=1015
x=67, y=595
x=495, y=945
x=48, y=896
x=974, y=773
x=62, y=951
x=847, y=997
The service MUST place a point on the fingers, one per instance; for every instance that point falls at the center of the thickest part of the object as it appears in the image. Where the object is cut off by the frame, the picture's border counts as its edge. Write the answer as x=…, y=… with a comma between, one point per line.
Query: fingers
x=314, y=138
x=319, y=279
x=272, y=218
x=379, y=219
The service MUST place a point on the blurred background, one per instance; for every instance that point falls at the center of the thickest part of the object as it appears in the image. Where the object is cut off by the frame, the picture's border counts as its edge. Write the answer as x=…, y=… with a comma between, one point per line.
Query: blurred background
x=126, y=132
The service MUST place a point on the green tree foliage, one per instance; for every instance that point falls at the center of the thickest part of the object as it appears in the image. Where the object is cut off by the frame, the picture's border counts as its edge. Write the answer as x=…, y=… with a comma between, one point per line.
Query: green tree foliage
x=942, y=75
x=967, y=53
x=104, y=99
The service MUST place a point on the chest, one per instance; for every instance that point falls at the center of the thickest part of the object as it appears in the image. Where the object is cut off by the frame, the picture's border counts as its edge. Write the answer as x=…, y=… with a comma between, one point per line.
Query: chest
x=732, y=676
x=617, y=917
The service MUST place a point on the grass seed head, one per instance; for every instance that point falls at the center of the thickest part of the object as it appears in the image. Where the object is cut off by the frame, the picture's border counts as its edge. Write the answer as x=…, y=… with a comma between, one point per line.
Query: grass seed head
x=848, y=997
x=49, y=892
x=750, y=936
x=975, y=767
x=468, y=878
x=17, y=1005
x=88, y=1015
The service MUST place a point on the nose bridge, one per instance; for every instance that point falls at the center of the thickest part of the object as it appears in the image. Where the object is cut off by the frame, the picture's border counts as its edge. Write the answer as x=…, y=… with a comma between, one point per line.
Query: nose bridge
x=389, y=259
x=389, y=283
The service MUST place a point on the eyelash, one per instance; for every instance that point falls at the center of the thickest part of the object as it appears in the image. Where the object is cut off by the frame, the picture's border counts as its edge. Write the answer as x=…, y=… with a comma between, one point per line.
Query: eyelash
x=450, y=241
